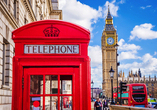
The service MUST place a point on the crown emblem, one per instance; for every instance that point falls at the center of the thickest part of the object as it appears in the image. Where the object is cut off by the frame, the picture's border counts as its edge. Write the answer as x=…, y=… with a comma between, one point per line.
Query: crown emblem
x=51, y=31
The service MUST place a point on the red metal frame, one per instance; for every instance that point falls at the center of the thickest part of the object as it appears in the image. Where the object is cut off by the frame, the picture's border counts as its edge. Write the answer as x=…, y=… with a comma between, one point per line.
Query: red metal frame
x=77, y=65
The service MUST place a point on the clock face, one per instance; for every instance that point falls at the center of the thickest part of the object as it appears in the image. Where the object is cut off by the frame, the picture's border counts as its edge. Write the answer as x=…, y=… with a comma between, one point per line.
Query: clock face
x=110, y=40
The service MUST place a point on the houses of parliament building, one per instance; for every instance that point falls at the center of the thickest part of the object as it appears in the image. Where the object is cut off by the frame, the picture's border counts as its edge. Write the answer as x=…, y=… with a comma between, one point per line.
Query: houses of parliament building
x=151, y=82
x=109, y=42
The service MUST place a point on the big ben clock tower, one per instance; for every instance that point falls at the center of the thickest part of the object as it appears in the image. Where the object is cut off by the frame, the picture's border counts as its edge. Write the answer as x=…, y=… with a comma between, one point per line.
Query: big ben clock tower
x=109, y=54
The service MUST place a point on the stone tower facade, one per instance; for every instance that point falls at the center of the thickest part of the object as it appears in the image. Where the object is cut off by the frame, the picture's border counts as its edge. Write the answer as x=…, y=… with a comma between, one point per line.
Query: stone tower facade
x=109, y=54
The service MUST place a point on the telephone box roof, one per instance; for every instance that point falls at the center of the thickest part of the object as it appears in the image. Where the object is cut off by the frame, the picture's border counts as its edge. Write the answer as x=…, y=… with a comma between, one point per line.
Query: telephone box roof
x=55, y=28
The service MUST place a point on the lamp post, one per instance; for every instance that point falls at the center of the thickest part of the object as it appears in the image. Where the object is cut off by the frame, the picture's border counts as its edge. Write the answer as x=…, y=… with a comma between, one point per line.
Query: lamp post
x=111, y=76
x=92, y=89
x=117, y=64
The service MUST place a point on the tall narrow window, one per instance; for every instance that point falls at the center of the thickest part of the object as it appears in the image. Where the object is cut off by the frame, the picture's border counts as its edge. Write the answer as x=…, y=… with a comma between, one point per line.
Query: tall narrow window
x=55, y=4
x=4, y=59
x=41, y=16
x=35, y=9
x=15, y=8
x=13, y=51
x=5, y=79
x=25, y=19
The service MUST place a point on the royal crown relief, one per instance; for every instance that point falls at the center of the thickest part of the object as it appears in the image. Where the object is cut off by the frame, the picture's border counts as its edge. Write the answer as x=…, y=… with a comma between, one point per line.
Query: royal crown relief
x=51, y=32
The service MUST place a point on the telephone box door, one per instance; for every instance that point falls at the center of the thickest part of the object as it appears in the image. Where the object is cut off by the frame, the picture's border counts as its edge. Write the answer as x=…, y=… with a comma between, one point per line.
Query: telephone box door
x=50, y=88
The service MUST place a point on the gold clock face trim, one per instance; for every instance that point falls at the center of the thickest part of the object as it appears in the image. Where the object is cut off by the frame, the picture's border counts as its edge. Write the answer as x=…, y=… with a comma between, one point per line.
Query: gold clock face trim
x=110, y=41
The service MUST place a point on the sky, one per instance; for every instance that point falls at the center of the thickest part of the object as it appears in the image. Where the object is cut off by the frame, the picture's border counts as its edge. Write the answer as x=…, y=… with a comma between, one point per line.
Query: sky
x=136, y=25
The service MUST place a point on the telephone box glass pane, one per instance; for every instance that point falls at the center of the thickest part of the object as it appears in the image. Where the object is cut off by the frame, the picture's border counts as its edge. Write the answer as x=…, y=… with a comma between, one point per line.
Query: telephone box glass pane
x=66, y=84
x=51, y=103
x=36, y=103
x=51, y=84
x=66, y=103
x=36, y=84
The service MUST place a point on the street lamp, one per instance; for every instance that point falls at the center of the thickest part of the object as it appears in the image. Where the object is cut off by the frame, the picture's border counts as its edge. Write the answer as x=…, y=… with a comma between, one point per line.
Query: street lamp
x=92, y=89
x=111, y=76
x=117, y=64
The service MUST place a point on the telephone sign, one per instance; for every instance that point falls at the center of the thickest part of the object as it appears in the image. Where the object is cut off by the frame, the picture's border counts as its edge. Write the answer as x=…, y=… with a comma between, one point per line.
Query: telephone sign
x=51, y=49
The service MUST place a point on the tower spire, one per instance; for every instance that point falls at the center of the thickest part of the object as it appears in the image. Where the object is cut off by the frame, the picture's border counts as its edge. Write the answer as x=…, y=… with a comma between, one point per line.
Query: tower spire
x=139, y=72
x=109, y=14
x=109, y=22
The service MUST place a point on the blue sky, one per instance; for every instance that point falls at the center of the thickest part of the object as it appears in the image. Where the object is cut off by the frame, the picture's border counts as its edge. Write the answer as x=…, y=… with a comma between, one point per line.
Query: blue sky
x=136, y=24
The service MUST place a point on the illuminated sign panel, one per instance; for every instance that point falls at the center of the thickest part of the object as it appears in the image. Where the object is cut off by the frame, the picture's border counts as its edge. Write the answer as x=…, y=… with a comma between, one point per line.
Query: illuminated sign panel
x=51, y=49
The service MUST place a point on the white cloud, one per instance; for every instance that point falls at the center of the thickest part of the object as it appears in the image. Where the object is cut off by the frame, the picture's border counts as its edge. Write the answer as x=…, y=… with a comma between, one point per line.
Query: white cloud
x=122, y=1
x=126, y=47
x=148, y=65
x=147, y=57
x=128, y=55
x=113, y=8
x=148, y=6
x=129, y=65
x=128, y=51
x=95, y=53
x=84, y=15
x=143, y=31
x=142, y=7
x=78, y=13
x=97, y=76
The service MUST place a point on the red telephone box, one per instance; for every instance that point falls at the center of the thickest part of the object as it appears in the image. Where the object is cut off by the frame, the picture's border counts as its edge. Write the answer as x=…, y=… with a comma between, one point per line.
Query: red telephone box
x=51, y=67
